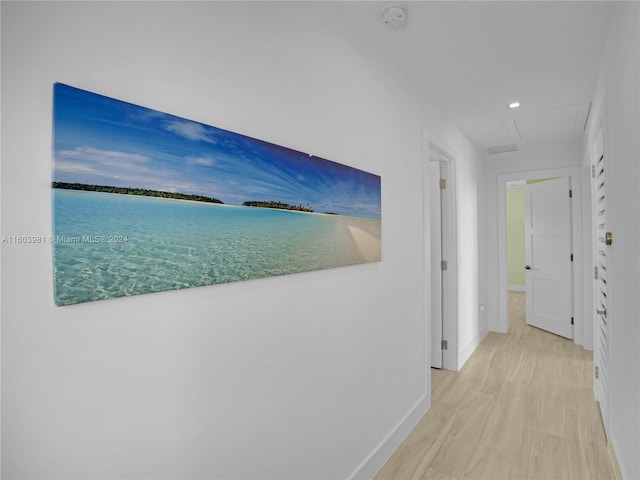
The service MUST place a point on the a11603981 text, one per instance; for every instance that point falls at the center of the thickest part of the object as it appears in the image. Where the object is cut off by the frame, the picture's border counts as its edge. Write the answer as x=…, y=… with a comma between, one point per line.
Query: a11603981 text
x=25, y=239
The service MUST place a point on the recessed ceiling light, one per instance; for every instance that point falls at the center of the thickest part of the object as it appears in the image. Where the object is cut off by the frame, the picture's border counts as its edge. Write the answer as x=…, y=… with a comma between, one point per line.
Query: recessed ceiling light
x=514, y=105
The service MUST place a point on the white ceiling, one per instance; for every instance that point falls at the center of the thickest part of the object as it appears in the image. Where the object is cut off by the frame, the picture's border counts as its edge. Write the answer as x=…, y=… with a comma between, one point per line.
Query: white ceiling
x=474, y=57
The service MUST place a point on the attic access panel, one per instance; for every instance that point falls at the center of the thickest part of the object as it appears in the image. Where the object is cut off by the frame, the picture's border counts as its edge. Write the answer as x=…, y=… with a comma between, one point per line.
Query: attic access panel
x=548, y=125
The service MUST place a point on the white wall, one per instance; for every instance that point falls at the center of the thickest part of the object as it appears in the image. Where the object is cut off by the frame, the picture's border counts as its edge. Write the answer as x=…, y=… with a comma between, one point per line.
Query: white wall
x=617, y=89
x=472, y=325
x=316, y=375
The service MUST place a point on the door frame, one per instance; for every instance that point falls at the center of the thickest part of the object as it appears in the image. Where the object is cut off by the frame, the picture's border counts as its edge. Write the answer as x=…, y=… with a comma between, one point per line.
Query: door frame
x=450, y=253
x=574, y=173
x=435, y=252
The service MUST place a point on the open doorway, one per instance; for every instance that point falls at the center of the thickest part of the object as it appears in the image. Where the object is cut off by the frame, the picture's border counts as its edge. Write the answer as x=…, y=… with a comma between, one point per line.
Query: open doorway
x=514, y=259
x=515, y=221
x=442, y=253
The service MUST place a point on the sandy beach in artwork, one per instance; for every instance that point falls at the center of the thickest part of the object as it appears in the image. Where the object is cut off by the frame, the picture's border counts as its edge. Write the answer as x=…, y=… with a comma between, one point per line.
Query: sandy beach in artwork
x=369, y=246
x=366, y=234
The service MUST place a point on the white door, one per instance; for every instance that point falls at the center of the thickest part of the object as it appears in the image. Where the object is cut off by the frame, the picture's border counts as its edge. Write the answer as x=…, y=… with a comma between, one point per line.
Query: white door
x=549, y=275
x=435, y=230
x=601, y=278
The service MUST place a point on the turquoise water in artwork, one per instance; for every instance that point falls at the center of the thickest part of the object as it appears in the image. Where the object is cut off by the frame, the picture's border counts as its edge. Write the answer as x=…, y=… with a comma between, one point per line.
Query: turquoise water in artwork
x=110, y=245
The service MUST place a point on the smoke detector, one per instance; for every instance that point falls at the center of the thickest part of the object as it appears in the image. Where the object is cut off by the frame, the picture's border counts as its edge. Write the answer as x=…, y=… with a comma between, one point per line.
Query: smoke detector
x=395, y=17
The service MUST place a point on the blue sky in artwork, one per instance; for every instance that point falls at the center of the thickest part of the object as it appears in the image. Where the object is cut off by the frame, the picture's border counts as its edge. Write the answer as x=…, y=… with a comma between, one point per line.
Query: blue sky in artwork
x=102, y=141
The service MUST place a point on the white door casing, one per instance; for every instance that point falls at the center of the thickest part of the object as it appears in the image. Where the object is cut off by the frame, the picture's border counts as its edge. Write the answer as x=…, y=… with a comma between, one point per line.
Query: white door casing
x=447, y=293
x=435, y=234
x=548, y=251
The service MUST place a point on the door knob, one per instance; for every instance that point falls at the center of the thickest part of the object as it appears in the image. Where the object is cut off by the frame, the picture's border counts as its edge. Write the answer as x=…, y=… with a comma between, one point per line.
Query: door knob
x=527, y=267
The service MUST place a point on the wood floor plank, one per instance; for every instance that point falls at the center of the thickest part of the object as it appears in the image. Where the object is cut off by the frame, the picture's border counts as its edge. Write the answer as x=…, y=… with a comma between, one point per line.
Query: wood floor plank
x=548, y=458
x=417, y=451
x=550, y=417
x=511, y=424
x=493, y=464
x=433, y=474
x=586, y=452
x=458, y=449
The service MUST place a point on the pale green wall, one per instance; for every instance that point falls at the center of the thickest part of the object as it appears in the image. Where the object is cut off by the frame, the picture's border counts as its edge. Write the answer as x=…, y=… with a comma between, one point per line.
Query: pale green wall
x=515, y=236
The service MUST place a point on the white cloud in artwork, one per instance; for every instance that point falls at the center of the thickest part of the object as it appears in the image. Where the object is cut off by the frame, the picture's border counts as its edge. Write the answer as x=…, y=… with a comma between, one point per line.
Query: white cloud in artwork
x=190, y=130
x=200, y=161
x=89, y=161
x=72, y=167
x=87, y=155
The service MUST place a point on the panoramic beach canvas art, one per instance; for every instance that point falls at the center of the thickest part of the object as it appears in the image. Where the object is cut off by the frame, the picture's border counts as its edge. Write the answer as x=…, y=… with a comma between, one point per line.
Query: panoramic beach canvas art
x=145, y=202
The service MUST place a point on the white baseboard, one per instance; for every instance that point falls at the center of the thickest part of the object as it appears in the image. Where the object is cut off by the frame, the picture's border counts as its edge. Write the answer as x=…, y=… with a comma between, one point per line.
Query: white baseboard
x=516, y=288
x=376, y=460
x=471, y=347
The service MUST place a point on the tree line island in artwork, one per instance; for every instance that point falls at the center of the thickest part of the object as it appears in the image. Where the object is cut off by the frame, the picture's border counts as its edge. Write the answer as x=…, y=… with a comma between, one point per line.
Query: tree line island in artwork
x=178, y=196
x=166, y=203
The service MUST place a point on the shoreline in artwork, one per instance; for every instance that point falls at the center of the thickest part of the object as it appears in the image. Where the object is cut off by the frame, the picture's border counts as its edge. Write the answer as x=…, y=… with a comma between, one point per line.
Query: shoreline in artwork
x=184, y=197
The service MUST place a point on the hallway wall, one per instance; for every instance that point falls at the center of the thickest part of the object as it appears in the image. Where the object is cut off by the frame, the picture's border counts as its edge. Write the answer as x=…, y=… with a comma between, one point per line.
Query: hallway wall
x=315, y=375
x=616, y=99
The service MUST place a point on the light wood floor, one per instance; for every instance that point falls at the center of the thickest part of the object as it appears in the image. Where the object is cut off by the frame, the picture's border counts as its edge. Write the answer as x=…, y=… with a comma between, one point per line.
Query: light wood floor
x=521, y=407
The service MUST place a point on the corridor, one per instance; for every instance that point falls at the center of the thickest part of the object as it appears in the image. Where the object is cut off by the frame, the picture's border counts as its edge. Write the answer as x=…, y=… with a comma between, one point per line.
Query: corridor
x=521, y=407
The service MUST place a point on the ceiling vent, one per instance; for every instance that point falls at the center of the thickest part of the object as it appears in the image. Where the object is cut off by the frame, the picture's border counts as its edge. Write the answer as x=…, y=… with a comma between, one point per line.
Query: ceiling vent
x=502, y=149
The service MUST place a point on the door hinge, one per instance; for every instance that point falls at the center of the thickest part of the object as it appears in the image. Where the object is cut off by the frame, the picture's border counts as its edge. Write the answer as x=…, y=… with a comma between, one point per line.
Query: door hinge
x=593, y=171
x=597, y=372
x=572, y=257
x=570, y=193
x=443, y=183
x=571, y=320
x=444, y=344
x=595, y=272
x=443, y=265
